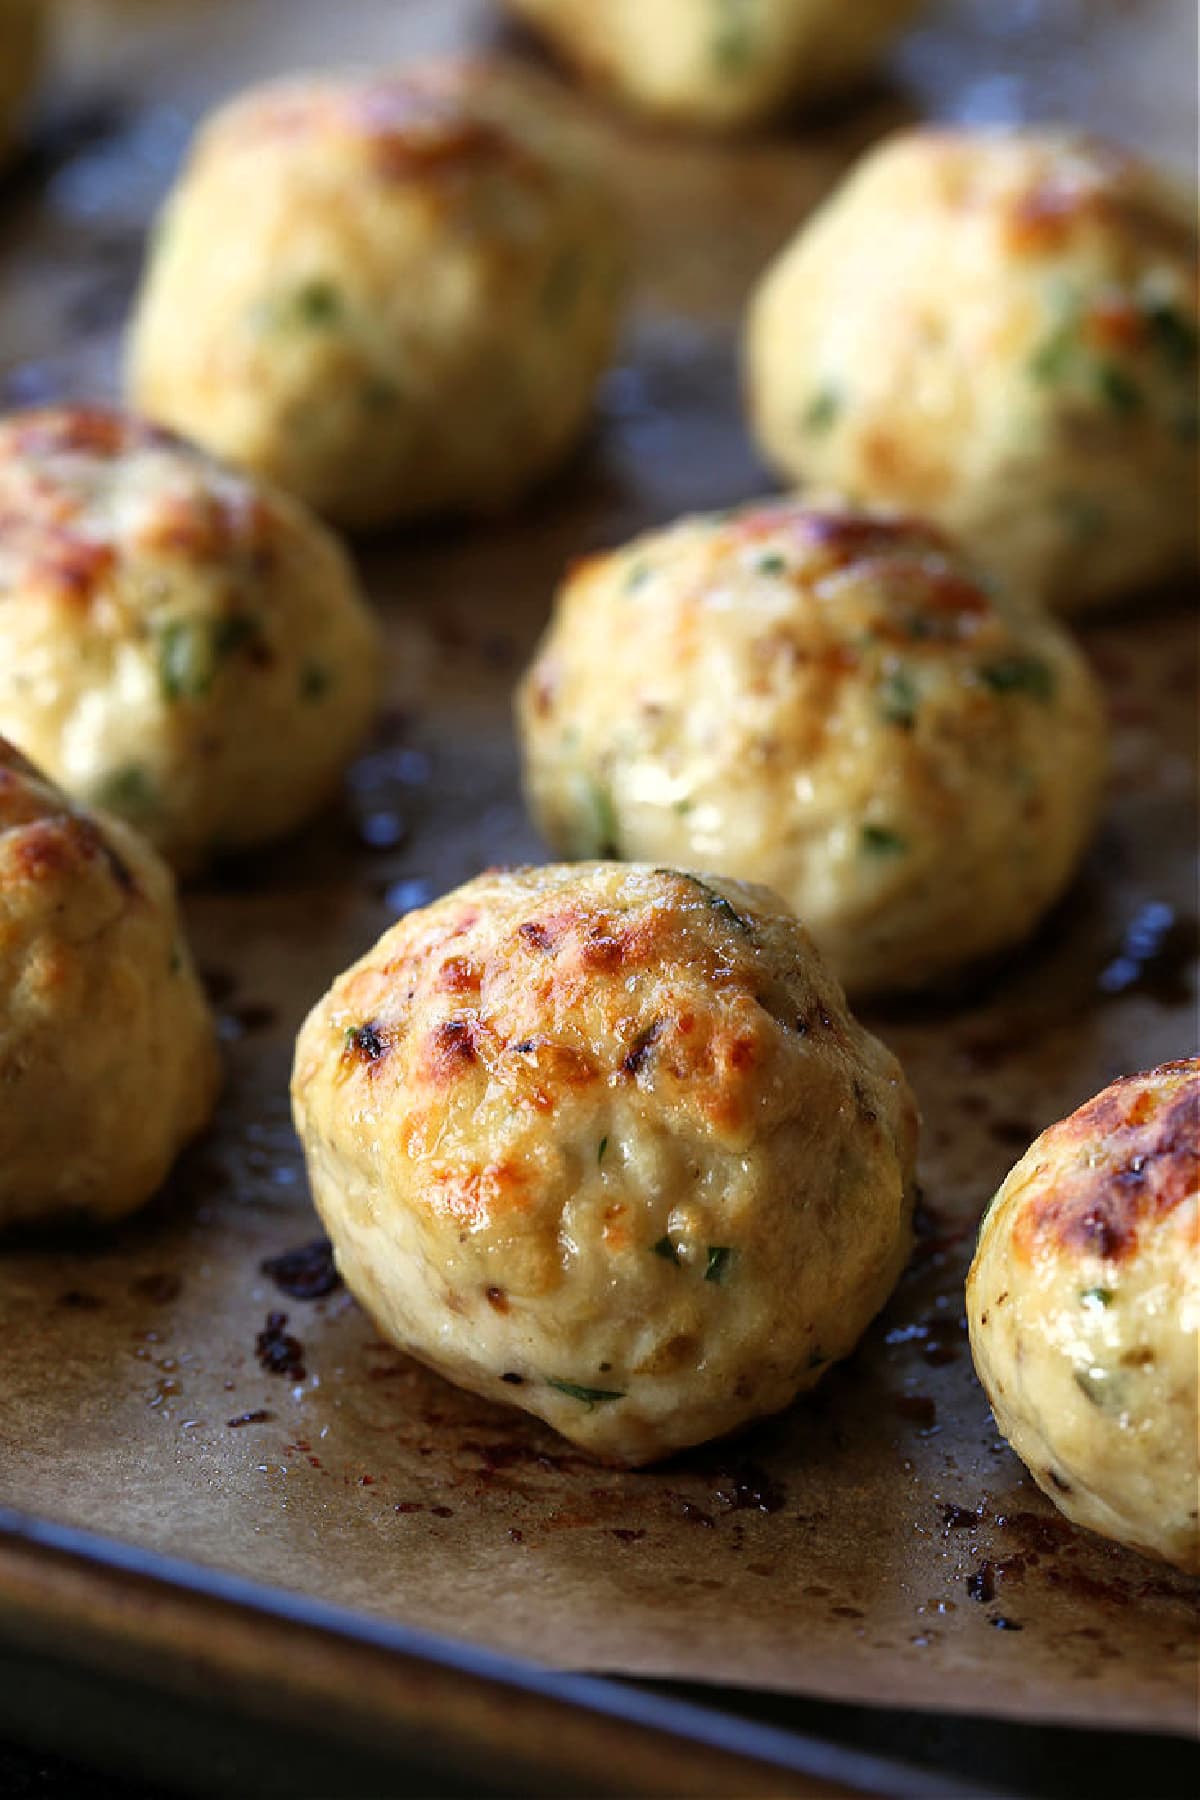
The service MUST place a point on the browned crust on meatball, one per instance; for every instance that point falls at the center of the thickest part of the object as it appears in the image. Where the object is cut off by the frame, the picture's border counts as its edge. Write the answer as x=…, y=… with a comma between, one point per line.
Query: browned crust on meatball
x=1122, y=1163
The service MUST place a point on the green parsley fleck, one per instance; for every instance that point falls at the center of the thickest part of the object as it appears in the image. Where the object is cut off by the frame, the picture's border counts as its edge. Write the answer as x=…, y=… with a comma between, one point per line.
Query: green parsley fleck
x=1096, y=1297
x=666, y=1249
x=1052, y=359
x=129, y=791
x=1118, y=390
x=638, y=573
x=774, y=564
x=1095, y=1386
x=821, y=412
x=191, y=650
x=589, y=1395
x=1173, y=335
x=720, y=1260
x=733, y=44
x=317, y=303
x=898, y=699
x=1019, y=675
x=315, y=681
x=716, y=901
x=603, y=1146
x=880, y=841
x=604, y=835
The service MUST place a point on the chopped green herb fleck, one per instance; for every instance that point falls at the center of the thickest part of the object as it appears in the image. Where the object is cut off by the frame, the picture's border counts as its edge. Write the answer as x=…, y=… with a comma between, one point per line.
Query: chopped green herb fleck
x=880, y=841
x=682, y=806
x=315, y=681
x=1052, y=359
x=191, y=650
x=1173, y=335
x=898, y=699
x=1095, y=1297
x=1094, y=1385
x=733, y=45
x=720, y=1259
x=603, y=1146
x=716, y=901
x=129, y=791
x=822, y=411
x=666, y=1249
x=589, y=1395
x=639, y=573
x=1019, y=675
x=318, y=302
x=773, y=564
x=604, y=835
x=1119, y=390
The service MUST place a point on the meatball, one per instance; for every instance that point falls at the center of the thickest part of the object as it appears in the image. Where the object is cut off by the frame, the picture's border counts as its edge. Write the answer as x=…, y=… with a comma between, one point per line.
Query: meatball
x=826, y=701
x=108, y=1060
x=1084, y=1305
x=392, y=294
x=603, y=1141
x=22, y=31
x=998, y=331
x=177, y=644
x=720, y=64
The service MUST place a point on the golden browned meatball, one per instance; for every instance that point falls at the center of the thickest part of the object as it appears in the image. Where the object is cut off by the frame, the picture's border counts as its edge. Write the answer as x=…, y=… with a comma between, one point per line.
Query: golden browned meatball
x=827, y=701
x=393, y=294
x=1084, y=1308
x=603, y=1141
x=721, y=64
x=998, y=331
x=177, y=644
x=108, y=1060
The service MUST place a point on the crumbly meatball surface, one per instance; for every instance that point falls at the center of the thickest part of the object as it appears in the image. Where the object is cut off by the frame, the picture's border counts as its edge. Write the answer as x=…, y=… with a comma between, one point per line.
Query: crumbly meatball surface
x=999, y=331
x=719, y=64
x=1084, y=1308
x=22, y=39
x=177, y=643
x=108, y=1060
x=604, y=1142
x=391, y=293
x=829, y=702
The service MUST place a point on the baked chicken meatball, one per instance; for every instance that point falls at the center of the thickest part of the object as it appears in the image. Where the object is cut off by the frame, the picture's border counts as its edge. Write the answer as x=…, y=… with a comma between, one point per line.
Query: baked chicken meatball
x=22, y=32
x=1084, y=1309
x=998, y=331
x=108, y=1060
x=177, y=644
x=393, y=293
x=827, y=701
x=603, y=1141
x=719, y=64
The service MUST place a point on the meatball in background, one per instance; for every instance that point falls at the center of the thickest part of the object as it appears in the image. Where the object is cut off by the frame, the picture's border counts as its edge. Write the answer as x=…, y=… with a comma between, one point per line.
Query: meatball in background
x=998, y=331
x=830, y=702
x=178, y=644
x=393, y=294
x=603, y=1141
x=108, y=1060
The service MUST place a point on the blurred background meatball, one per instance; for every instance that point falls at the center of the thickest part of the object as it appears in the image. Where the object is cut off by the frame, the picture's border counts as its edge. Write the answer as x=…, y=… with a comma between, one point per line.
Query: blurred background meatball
x=998, y=330
x=393, y=294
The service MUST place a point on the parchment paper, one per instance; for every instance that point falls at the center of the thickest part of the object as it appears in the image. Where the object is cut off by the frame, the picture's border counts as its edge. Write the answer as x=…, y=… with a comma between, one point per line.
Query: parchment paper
x=877, y=1543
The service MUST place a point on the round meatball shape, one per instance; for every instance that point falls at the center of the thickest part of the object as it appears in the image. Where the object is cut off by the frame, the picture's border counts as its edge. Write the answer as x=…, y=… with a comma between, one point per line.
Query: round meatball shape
x=1084, y=1307
x=392, y=294
x=604, y=1142
x=108, y=1059
x=177, y=644
x=718, y=64
x=22, y=34
x=826, y=701
x=998, y=331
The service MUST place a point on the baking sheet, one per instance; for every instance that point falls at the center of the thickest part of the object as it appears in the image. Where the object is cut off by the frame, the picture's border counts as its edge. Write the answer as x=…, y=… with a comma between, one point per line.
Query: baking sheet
x=877, y=1542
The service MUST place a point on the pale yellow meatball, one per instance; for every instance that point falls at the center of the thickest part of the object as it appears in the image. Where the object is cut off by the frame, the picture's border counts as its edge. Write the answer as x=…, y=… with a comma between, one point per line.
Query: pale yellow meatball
x=177, y=644
x=108, y=1060
x=603, y=1141
x=826, y=701
x=393, y=294
x=22, y=37
x=1084, y=1309
x=720, y=64
x=998, y=331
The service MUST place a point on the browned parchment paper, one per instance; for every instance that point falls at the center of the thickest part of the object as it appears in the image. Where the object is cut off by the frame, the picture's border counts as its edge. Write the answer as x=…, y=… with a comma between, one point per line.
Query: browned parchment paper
x=876, y=1544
